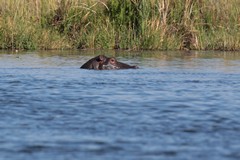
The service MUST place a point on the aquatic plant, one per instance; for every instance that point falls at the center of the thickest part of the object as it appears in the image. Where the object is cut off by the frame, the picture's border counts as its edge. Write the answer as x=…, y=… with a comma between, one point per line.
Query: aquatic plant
x=120, y=24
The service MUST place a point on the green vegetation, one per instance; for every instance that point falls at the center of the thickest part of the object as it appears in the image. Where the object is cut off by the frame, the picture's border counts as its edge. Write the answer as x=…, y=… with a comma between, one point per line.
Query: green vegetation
x=124, y=24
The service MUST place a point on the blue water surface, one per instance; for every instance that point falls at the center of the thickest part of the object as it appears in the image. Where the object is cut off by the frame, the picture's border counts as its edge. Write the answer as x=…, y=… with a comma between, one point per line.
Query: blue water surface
x=177, y=106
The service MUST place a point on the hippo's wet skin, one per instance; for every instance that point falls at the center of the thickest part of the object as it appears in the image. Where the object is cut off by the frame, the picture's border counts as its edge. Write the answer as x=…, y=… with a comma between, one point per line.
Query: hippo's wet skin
x=102, y=62
x=94, y=62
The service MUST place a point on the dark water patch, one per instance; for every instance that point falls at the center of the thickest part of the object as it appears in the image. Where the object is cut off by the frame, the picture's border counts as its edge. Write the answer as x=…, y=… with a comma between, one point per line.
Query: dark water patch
x=163, y=153
x=34, y=148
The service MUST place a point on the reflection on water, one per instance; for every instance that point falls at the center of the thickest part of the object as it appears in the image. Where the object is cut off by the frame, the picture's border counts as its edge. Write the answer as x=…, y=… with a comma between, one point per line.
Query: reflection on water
x=176, y=106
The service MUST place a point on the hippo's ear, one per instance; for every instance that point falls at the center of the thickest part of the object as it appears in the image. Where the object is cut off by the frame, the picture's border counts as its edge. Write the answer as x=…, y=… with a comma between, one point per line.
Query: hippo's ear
x=100, y=58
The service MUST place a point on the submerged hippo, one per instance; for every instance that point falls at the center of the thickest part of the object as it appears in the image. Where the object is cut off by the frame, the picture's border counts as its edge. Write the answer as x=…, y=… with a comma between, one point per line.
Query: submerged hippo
x=102, y=62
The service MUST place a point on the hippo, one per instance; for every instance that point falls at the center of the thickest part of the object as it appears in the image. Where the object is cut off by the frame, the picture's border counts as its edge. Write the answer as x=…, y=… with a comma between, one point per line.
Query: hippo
x=102, y=62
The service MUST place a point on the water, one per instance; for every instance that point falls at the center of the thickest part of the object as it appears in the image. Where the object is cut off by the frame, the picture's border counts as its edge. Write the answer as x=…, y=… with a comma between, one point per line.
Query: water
x=177, y=106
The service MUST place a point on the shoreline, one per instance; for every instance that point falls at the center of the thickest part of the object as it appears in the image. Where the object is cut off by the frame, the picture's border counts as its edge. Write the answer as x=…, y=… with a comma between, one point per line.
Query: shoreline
x=108, y=24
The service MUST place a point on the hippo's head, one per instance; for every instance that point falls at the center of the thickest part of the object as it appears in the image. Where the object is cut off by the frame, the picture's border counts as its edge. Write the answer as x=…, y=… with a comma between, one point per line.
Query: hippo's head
x=108, y=64
x=102, y=62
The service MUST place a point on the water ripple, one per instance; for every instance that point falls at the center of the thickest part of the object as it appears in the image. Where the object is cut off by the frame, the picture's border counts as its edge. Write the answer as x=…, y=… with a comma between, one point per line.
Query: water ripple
x=164, y=110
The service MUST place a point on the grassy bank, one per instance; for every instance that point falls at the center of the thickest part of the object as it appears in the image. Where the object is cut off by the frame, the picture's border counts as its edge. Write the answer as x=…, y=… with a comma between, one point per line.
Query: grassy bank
x=123, y=24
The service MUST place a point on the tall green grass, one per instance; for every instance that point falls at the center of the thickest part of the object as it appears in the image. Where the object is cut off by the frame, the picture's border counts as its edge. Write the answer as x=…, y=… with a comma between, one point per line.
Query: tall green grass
x=120, y=24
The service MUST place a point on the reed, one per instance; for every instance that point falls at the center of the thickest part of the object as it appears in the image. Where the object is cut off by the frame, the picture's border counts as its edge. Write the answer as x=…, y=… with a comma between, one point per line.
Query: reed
x=120, y=24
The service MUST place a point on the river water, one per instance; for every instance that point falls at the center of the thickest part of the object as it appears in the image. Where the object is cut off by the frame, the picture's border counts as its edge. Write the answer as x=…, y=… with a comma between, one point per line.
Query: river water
x=176, y=106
